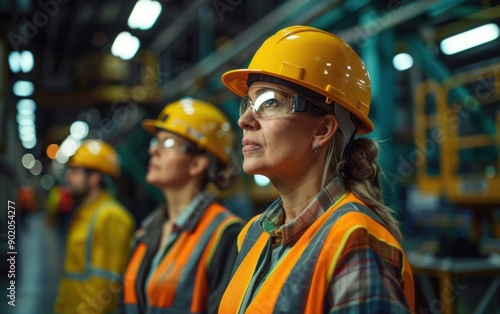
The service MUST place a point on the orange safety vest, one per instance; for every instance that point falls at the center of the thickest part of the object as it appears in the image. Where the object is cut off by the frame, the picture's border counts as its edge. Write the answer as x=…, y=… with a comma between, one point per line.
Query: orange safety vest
x=322, y=243
x=180, y=282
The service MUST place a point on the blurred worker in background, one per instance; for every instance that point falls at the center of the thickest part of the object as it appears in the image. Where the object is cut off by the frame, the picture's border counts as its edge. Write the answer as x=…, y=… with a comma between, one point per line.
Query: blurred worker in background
x=27, y=202
x=328, y=244
x=185, y=250
x=98, y=241
x=59, y=204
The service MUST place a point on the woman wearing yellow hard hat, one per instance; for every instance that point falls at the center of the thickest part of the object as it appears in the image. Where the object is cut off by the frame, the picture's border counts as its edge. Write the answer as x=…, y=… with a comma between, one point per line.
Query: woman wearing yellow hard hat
x=185, y=250
x=328, y=244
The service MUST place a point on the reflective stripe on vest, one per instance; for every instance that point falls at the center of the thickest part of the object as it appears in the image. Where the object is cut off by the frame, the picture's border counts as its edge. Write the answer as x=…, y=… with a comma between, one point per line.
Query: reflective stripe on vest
x=179, y=284
x=289, y=283
x=301, y=274
x=89, y=269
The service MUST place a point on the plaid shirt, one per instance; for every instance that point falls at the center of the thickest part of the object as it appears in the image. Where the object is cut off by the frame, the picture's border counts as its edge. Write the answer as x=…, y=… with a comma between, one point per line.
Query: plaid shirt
x=367, y=276
x=272, y=219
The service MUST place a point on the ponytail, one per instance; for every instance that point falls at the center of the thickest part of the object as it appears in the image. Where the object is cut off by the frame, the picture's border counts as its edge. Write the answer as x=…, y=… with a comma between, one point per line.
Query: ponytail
x=359, y=171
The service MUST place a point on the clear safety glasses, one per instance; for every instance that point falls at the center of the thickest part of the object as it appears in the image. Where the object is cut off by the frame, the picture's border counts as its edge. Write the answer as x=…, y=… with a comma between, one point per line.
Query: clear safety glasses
x=170, y=143
x=271, y=103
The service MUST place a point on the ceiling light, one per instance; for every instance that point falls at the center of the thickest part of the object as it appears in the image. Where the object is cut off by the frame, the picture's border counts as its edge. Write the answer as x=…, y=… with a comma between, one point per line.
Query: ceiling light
x=27, y=61
x=69, y=146
x=144, y=14
x=26, y=129
x=23, y=88
x=29, y=144
x=470, y=38
x=15, y=61
x=402, y=61
x=37, y=168
x=79, y=129
x=26, y=105
x=28, y=160
x=125, y=46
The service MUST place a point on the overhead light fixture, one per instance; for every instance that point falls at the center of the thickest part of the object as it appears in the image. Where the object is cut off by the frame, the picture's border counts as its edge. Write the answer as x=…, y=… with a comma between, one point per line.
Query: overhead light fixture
x=26, y=106
x=402, y=61
x=79, y=130
x=21, y=61
x=125, y=46
x=144, y=14
x=23, y=88
x=469, y=39
x=15, y=61
x=29, y=144
x=27, y=61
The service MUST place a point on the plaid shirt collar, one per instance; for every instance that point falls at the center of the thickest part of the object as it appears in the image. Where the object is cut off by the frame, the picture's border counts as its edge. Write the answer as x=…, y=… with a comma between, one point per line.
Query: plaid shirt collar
x=272, y=219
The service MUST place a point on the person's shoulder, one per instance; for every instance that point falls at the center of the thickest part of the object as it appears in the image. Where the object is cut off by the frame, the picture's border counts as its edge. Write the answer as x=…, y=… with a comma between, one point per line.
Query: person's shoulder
x=226, y=211
x=113, y=209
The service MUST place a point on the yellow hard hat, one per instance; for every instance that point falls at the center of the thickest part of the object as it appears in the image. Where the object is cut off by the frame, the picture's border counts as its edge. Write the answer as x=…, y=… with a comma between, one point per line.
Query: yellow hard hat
x=96, y=155
x=316, y=60
x=199, y=122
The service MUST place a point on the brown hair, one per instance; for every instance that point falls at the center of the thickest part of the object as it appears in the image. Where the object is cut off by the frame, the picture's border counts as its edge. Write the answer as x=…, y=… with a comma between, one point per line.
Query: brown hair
x=359, y=171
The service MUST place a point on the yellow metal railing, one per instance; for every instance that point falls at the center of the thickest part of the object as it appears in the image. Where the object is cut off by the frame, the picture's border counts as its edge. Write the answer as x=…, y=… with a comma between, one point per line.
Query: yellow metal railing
x=442, y=129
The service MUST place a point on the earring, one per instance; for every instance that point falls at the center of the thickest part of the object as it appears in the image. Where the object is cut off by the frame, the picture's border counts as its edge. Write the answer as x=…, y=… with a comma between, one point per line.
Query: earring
x=316, y=149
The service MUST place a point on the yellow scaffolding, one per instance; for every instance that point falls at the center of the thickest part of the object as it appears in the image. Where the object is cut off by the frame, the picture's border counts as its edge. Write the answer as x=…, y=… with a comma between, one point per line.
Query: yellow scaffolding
x=442, y=129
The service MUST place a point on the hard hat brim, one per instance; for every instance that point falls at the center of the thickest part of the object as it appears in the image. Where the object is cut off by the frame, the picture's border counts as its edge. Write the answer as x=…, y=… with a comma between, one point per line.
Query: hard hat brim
x=152, y=126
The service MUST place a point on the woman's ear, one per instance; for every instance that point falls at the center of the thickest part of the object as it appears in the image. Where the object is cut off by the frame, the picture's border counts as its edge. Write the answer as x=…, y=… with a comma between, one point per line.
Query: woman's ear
x=325, y=130
x=199, y=165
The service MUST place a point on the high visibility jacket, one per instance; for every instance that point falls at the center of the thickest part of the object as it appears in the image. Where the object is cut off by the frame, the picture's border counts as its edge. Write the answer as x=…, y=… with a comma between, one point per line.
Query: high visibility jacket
x=97, y=250
x=300, y=280
x=196, y=263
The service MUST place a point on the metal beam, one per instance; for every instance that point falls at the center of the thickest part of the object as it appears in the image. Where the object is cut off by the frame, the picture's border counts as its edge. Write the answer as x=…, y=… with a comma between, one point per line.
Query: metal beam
x=244, y=45
x=177, y=27
x=392, y=17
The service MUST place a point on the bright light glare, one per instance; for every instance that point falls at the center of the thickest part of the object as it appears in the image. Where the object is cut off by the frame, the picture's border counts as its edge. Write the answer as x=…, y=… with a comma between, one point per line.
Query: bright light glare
x=261, y=180
x=27, y=137
x=23, y=88
x=27, y=129
x=26, y=105
x=402, y=61
x=79, y=129
x=470, y=38
x=28, y=160
x=69, y=146
x=29, y=144
x=125, y=46
x=15, y=61
x=37, y=168
x=27, y=61
x=144, y=14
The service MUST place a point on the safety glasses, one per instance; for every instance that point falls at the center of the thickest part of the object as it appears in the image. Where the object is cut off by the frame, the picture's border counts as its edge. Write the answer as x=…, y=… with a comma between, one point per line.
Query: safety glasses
x=170, y=143
x=272, y=103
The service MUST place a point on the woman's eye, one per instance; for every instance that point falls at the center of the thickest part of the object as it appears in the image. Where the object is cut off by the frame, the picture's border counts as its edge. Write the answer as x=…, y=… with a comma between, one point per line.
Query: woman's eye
x=270, y=103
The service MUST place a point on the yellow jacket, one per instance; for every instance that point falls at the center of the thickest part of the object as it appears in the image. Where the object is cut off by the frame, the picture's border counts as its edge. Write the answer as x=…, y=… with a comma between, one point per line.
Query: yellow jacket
x=97, y=251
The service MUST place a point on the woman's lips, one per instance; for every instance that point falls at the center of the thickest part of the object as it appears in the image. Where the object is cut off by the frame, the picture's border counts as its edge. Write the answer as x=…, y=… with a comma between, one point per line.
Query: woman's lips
x=249, y=145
